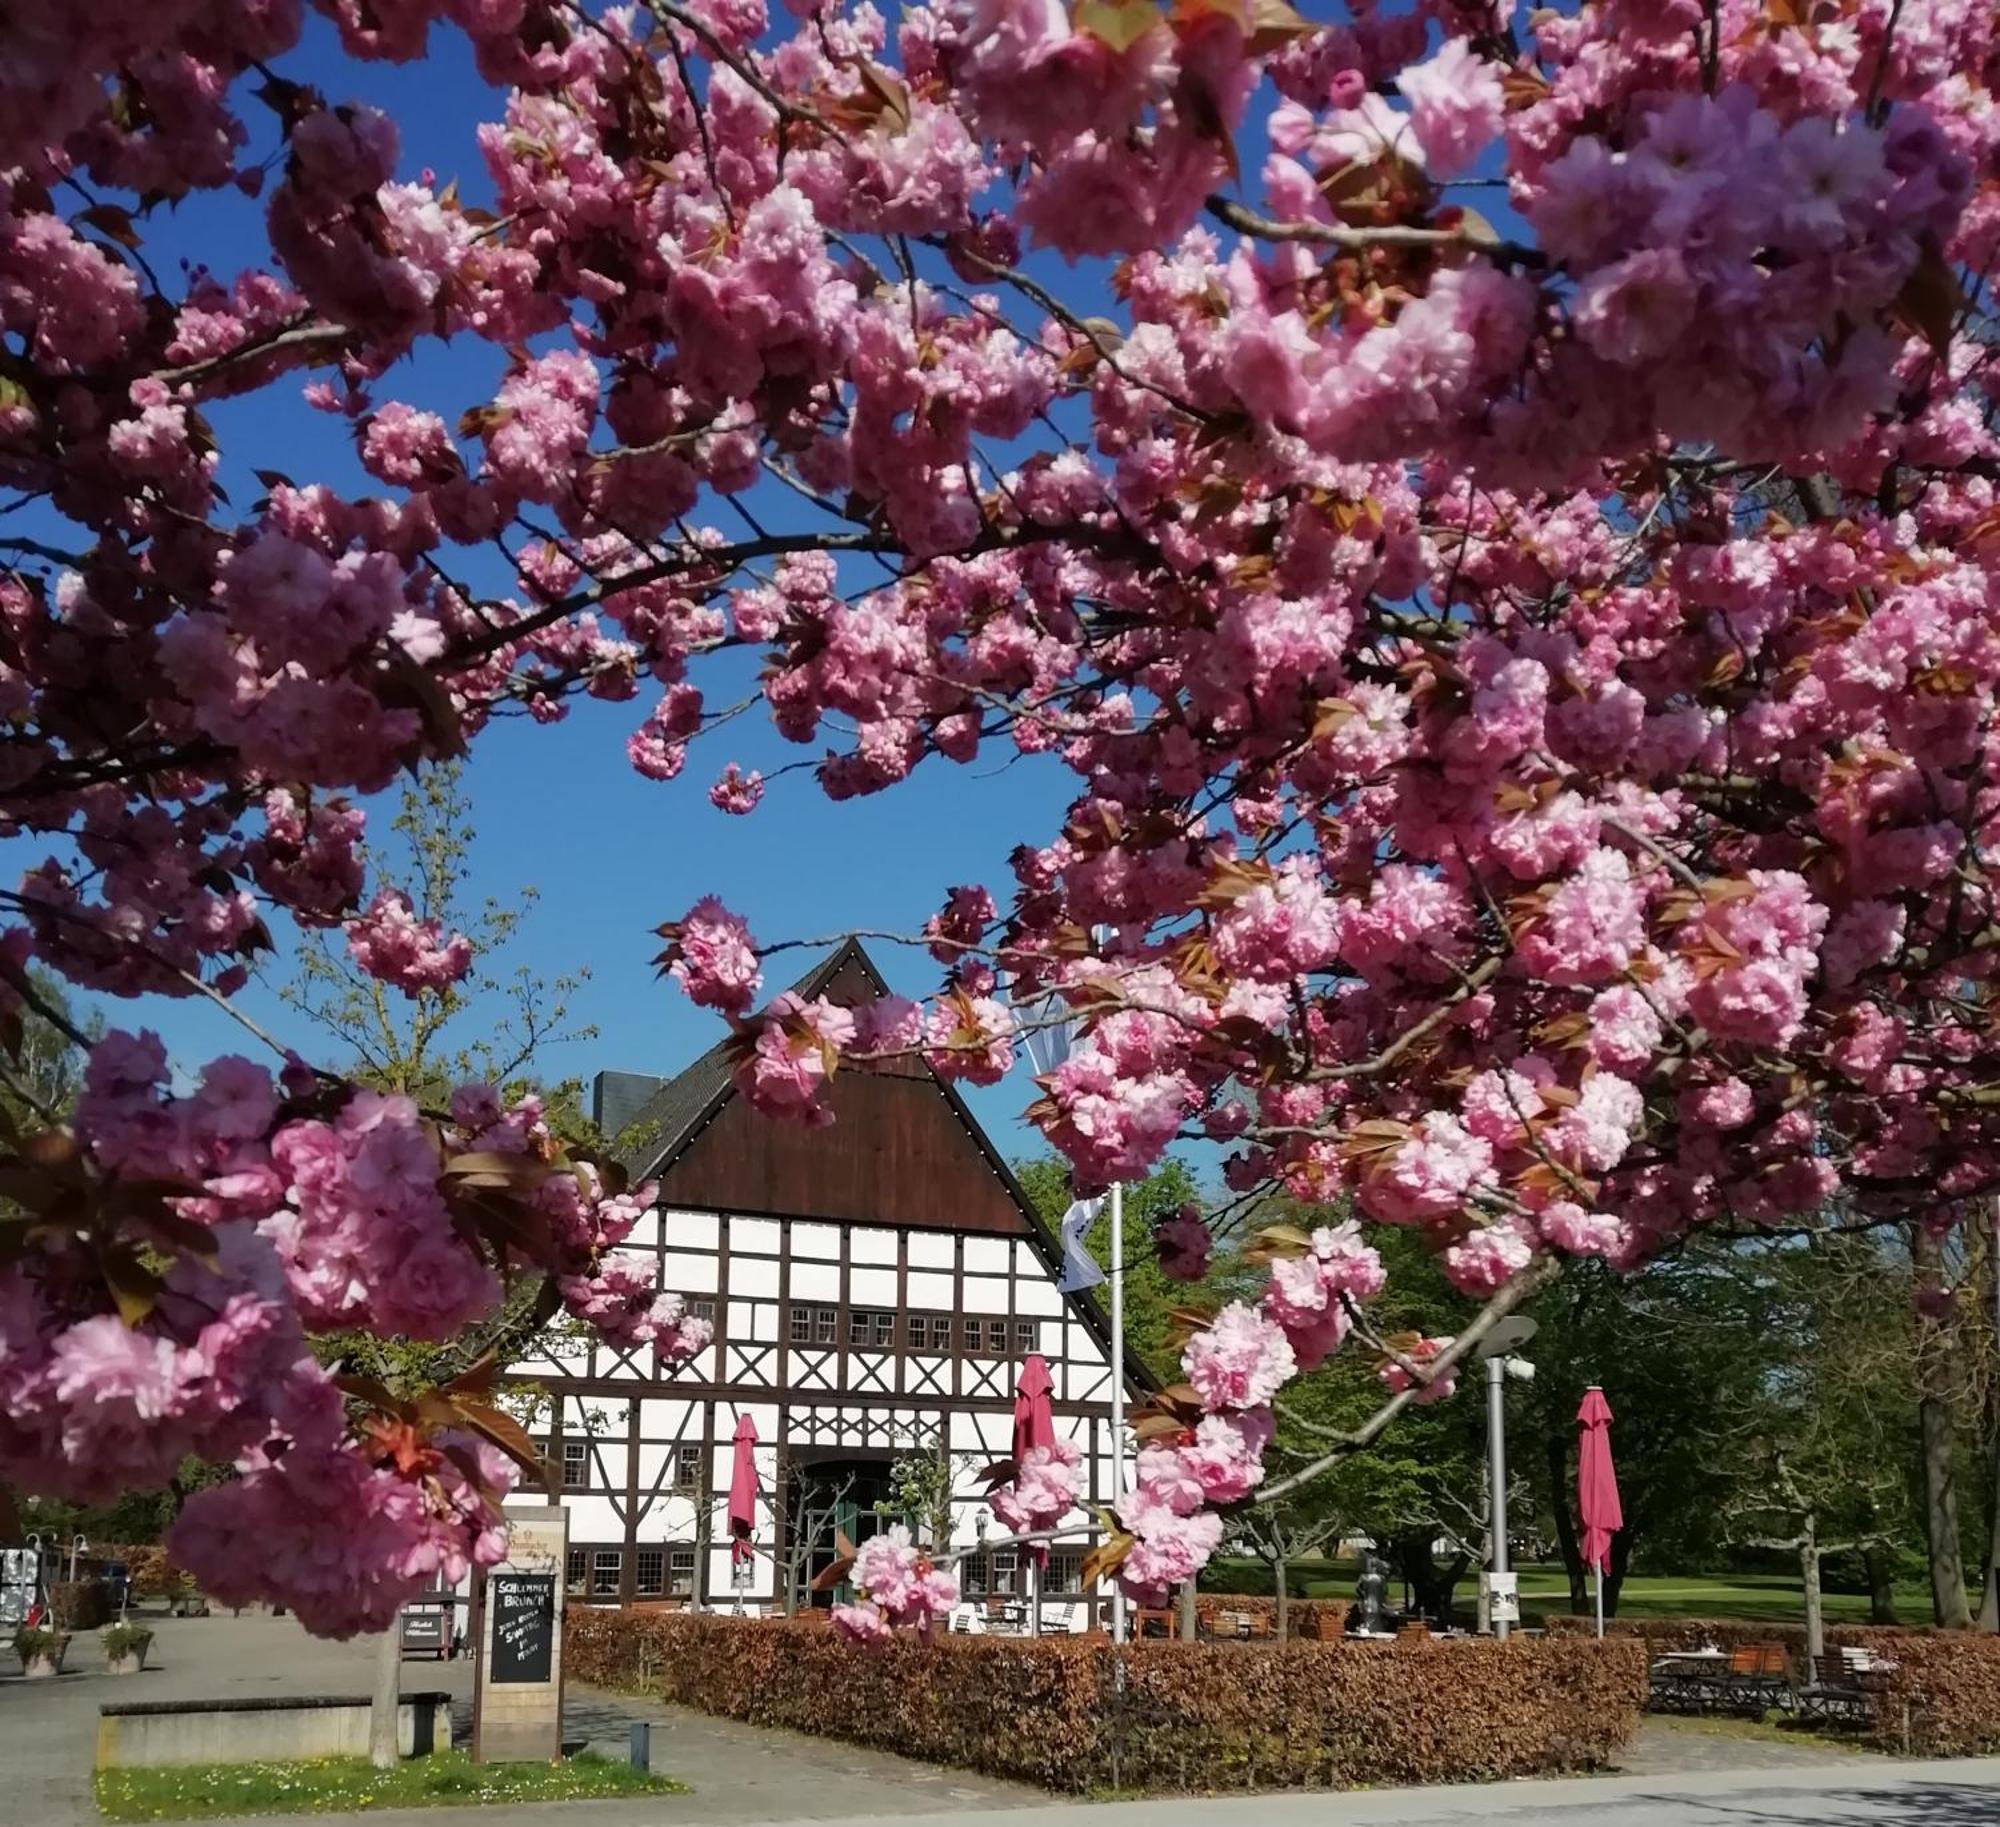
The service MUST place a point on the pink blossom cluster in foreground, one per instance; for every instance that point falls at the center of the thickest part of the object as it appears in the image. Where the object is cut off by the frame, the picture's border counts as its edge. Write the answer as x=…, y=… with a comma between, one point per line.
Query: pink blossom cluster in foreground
x=896, y=1584
x=278, y=1209
x=1493, y=513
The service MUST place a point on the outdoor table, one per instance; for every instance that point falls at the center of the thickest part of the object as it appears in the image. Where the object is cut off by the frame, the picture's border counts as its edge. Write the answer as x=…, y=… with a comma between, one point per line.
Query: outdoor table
x=1689, y=1680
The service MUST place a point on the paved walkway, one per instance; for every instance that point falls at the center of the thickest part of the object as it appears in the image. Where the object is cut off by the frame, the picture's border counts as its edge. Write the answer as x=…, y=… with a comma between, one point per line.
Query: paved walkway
x=738, y=1774
x=1874, y=1792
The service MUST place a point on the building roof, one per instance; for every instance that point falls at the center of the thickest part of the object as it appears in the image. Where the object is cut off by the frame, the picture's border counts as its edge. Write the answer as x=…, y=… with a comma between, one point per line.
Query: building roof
x=685, y=1107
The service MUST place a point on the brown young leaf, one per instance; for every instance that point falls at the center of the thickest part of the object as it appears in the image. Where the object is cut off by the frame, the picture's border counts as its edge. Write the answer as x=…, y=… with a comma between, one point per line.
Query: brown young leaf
x=134, y=1287
x=496, y=1425
x=1119, y=24
x=113, y=223
x=832, y=1575
x=1106, y=1558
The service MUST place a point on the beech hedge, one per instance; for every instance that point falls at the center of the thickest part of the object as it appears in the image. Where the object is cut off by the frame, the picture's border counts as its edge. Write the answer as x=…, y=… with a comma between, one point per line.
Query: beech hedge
x=1184, y=1716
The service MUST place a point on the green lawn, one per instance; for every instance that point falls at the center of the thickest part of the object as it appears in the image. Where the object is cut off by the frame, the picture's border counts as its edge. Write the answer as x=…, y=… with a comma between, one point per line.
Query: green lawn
x=1761, y=1597
x=190, y=1792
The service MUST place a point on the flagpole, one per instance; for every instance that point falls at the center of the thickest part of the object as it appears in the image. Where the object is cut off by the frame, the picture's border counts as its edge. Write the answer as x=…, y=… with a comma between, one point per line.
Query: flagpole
x=1117, y=1381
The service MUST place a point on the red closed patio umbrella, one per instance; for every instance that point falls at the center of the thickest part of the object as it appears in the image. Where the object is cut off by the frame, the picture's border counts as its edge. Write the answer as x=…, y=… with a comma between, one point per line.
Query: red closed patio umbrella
x=1034, y=1425
x=743, y=1492
x=1034, y=1422
x=1597, y=1503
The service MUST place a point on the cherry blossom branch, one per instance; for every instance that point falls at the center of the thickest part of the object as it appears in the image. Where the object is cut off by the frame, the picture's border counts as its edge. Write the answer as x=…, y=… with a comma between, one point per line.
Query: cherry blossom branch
x=1530, y=1282
x=1344, y=235
x=1061, y=1532
x=296, y=336
x=1470, y=985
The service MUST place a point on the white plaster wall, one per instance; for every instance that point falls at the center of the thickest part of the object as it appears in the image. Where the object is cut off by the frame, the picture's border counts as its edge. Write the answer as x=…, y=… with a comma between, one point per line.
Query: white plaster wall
x=932, y=1250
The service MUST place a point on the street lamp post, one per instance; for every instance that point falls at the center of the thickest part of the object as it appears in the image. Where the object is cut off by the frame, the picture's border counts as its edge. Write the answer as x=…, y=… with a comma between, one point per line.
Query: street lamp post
x=1511, y=1333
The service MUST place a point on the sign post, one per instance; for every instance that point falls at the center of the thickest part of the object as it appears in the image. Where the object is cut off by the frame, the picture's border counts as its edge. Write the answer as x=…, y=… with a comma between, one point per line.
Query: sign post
x=517, y=1682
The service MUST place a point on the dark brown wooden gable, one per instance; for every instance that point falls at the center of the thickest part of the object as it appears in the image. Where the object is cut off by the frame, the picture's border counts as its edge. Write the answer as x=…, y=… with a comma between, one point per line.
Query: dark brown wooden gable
x=897, y=1152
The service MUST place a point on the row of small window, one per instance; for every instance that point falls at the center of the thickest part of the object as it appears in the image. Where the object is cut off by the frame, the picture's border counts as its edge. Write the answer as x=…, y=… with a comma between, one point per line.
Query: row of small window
x=657, y=1573
x=874, y=1329
x=688, y=1465
x=997, y=1573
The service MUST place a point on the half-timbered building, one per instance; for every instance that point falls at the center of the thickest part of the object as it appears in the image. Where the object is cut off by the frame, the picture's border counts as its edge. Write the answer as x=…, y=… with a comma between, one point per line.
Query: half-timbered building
x=874, y=1287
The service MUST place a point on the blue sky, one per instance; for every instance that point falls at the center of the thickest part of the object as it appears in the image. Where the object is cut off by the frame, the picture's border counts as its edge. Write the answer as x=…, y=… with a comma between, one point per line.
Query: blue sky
x=559, y=807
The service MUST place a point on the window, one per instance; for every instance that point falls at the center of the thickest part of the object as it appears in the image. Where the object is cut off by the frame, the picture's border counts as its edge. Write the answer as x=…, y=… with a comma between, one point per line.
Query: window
x=972, y=1574
x=1064, y=1572
x=930, y=1332
x=576, y=1465
x=1025, y=1340
x=605, y=1567
x=651, y=1570
x=574, y=1568
x=1006, y=1571
x=975, y=1342
x=702, y=1307
x=996, y=1338
x=680, y=1571
x=885, y=1330
x=687, y=1468
x=871, y=1328
x=815, y=1326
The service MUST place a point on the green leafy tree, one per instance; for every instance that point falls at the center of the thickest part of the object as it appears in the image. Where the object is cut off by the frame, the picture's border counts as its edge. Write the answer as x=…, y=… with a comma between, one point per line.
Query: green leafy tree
x=496, y=1025
x=1150, y=1298
x=40, y=1081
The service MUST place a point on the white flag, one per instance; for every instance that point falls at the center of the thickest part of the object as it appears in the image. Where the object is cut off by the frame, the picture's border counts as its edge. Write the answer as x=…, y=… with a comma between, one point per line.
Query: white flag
x=1080, y=1268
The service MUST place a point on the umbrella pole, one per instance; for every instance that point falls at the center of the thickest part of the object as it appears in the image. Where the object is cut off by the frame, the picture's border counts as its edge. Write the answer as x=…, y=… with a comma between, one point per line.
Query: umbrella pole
x=1600, y=1597
x=1034, y=1595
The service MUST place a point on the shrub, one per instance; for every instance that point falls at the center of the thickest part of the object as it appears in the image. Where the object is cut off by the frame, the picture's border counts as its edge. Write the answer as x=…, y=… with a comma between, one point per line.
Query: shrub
x=1193, y=1716
x=1942, y=1697
x=38, y=1640
x=80, y=1604
x=126, y=1639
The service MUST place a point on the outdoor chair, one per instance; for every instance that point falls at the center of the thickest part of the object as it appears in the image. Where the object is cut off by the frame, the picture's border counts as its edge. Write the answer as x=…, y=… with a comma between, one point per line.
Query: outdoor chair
x=1835, y=1693
x=1759, y=1677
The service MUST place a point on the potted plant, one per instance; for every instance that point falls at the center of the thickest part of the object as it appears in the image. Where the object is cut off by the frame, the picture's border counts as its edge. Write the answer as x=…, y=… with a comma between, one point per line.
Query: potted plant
x=125, y=1647
x=40, y=1649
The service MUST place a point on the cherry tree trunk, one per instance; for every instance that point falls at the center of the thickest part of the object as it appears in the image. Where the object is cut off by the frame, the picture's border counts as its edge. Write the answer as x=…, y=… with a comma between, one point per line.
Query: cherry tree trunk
x=382, y=1707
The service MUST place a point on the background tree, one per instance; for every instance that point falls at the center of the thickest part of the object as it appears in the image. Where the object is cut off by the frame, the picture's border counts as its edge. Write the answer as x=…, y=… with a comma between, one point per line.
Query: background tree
x=495, y=1022
x=1151, y=1299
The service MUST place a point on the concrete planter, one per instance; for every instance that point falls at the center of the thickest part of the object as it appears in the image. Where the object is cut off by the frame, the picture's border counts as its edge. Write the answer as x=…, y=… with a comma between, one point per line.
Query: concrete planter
x=126, y=1647
x=257, y=1731
x=44, y=1664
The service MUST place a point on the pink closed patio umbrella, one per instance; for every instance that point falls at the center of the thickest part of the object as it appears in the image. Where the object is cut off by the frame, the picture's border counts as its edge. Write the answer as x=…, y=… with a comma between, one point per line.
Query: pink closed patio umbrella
x=743, y=1492
x=1034, y=1425
x=1597, y=1488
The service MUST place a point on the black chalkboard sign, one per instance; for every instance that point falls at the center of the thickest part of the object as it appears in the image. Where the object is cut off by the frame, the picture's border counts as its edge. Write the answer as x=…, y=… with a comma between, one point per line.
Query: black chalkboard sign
x=524, y=1626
